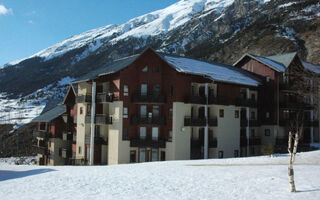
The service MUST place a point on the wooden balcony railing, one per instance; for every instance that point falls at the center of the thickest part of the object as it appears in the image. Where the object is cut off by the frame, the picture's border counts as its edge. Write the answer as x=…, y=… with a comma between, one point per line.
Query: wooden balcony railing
x=99, y=119
x=149, y=98
x=148, y=143
x=84, y=99
x=140, y=120
x=104, y=97
x=246, y=102
x=189, y=121
x=212, y=142
x=67, y=136
x=41, y=134
x=97, y=140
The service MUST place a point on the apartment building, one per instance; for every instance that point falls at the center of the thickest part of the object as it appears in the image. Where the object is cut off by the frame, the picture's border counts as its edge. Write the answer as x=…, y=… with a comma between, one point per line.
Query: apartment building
x=156, y=107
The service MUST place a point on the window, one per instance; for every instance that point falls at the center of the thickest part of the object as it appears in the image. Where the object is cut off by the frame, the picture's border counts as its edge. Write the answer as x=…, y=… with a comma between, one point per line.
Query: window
x=132, y=156
x=267, y=115
x=144, y=89
x=268, y=79
x=88, y=109
x=81, y=110
x=156, y=89
x=253, y=133
x=60, y=152
x=145, y=69
x=253, y=96
x=125, y=90
x=143, y=111
x=154, y=156
x=221, y=113
x=79, y=150
x=97, y=132
x=171, y=91
x=142, y=155
x=143, y=133
x=253, y=115
x=170, y=136
x=43, y=126
x=99, y=88
x=170, y=114
x=267, y=132
x=155, y=133
x=125, y=112
x=220, y=154
x=155, y=111
x=236, y=114
x=125, y=134
x=236, y=153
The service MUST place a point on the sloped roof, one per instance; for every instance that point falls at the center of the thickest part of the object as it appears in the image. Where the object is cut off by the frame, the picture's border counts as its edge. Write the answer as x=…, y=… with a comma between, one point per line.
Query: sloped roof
x=51, y=114
x=271, y=63
x=214, y=71
x=311, y=67
x=110, y=68
x=284, y=59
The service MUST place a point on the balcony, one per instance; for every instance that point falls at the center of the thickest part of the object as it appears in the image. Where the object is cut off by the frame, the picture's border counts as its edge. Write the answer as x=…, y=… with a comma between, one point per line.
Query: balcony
x=195, y=99
x=104, y=98
x=282, y=140
x=155, y=98
x=147, y=143
x=97, y=140
x=246, y=102
x=254, y=141
x=66, y=153
x=84, y=99
x=67, y=136
x=140, y=120
x=306, y=123
x=243, y=141
x=295, y=105
x=99, y=119
x=254, y=123
x=189, y=121
x=41, y=134
x=212, y=142
x=243, y=122
x=41, y=150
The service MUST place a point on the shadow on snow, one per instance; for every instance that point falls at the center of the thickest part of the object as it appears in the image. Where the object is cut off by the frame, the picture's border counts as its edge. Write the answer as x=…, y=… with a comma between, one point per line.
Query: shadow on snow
x=8, y=174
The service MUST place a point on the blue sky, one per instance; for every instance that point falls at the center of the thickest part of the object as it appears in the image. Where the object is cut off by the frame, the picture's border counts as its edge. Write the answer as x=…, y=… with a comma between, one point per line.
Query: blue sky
x=28, y=26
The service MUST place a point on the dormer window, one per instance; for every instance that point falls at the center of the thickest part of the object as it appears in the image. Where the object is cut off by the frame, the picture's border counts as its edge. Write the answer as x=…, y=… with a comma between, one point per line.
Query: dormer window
x=145, y=69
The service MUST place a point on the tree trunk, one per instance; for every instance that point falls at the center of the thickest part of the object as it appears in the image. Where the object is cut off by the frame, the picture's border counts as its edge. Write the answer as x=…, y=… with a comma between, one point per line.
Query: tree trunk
x=292, y=152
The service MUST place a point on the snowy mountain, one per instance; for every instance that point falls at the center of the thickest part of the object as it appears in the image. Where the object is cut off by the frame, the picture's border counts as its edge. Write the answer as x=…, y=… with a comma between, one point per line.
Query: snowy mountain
x=219, y=30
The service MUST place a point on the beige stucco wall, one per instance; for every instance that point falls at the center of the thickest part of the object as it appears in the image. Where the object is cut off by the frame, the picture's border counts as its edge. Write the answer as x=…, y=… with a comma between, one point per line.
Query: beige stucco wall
x=56, y=144
x=179, y=148
x=118, y=150
x=227, y=131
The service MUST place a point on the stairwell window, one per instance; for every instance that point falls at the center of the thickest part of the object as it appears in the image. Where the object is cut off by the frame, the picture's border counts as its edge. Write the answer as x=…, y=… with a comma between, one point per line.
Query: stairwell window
x=125, y=112
x=79, y=150
x=81, y=110
x=125, y=90
x=236, y=114
x=221, y=113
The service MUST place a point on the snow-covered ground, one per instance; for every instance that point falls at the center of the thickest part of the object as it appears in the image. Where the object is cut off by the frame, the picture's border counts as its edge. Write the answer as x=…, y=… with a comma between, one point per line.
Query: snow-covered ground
x=239, y=178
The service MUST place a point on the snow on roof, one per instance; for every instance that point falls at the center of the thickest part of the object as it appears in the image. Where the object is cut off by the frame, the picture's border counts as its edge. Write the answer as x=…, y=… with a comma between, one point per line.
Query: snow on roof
x=215, y=71
x=271, y=63
x=284, y=59
x=51, y=114
x=311, y=67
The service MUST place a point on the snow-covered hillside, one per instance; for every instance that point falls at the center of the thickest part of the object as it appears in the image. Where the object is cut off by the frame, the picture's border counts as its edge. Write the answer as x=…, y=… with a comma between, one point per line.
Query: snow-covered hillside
x=151, y=24
x=23, y=110
x=252, y=178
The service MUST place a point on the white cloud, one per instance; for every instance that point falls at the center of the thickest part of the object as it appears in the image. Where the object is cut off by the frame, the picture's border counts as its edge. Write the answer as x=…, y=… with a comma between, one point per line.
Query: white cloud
x=31, y=22
x=5, y=11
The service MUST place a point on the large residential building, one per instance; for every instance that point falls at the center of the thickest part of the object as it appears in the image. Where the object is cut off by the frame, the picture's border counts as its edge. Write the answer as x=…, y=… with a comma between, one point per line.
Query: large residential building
x=156, y=107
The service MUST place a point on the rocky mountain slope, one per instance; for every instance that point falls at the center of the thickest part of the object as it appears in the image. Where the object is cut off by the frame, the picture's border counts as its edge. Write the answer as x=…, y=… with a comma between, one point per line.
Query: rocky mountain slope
x=217, y=30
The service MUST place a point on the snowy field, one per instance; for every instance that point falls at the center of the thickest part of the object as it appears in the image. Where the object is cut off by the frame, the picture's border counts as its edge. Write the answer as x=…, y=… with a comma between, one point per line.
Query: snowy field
x=243, y=178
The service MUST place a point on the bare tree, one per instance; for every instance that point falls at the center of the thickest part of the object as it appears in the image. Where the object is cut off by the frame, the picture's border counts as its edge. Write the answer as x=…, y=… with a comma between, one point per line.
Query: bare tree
x=303, y=97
